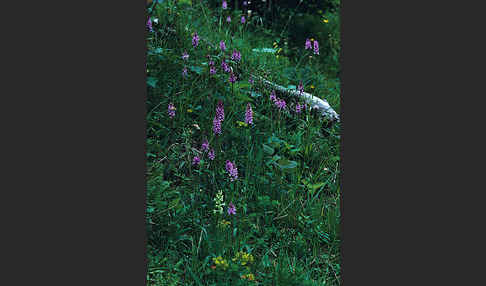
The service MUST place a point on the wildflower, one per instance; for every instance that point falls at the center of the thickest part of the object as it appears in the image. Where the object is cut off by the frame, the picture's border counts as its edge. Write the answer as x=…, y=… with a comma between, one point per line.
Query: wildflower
x=232, y=170
x=149, y=25
x=225, y=66
x=280, y=104
x=195, y=39
x=219, y=261
x=185, y=56
x=220, y=110
x=298, y=108
x=228, y=19
x=243, y=20
x=205, y=145
x=211, y=154
x=325, y=20
x=300, y=88
x=211, y=63
x=250, y=80
x=222, y=46
x=212, y=70
x=241, y=124
x=236, y=56
x=232, y=78
x=219, y=202
x=308, y=44
x=196, y=160
x=272, y=96
x=244, y=258
x=231, y=209
x=225, y=5
x=189, y=110
x=216, y=126
x=245, y=3
x=223, y=223
x=316, y=47
x=171, y=110
x=312, y=86
x=184, y=72
x=248, y=114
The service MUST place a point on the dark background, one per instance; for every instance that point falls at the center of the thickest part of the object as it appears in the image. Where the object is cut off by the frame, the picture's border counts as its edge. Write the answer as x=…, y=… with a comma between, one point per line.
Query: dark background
x=75, y=158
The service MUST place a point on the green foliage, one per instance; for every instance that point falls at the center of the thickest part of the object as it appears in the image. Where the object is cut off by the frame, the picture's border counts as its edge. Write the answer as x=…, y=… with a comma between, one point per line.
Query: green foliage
x=287, y=192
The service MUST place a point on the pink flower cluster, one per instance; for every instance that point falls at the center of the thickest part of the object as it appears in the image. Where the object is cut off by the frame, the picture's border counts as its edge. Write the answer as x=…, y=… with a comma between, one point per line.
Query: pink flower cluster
x=248, y=114
x=280, y=103
x=218, y=118
x=232, y=170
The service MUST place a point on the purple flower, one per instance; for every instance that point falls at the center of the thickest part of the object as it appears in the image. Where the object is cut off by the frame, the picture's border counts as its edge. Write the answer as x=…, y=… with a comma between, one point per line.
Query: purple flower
x=245, y=3
x=243, y=20
x=220, y=111
x=216, y=126
x=232, y=78
x=280, y=104
x=228, y=19
x=184, y=72
x=205, y=145
x=195, y=39
x=211, y=154
x=225, y=5
x=299, y=107
x=231, y=209
x=300, y=88
x=316, y=47
x=225, y=66
x=248, y=114
x=196, y=160
x=232, y=170
x=171, y=110
x=185, y=56
x=149, y=25
x=236, y=56
x=250, y=80
x=211, y=63
x=272, y=96
x=222, y=46
x=212, y=70
x=308, y=44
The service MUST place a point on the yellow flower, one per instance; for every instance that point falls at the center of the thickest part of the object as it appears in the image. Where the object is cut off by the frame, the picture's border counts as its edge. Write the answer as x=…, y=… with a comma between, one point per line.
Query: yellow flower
x=312, y=39
x=325, y=21
x=241, y=123
x=189, y=110
x=274, y=44
x=312, y=86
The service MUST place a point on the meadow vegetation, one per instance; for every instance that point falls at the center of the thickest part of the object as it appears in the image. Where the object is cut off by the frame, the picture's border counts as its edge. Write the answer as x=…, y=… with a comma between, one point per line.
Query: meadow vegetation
x=243, y=183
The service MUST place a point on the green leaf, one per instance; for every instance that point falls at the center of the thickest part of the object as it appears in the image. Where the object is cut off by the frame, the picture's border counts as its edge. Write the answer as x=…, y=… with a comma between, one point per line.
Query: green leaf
x=267, y=149
x=197, y=70
x=316, y=186
x=254, y=94
x=264, y=50
x=152, y=81
x=286, y=164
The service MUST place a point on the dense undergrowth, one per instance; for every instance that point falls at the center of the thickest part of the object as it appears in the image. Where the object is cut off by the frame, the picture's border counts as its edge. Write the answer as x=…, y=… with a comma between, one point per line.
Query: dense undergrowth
x=242, y=186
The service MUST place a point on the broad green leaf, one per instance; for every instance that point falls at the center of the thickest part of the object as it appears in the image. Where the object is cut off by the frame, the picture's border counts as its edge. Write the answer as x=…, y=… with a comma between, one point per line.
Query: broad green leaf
x=265, y=50
x=267, y=149
x=197, y=70
x=286, y=164
x=152, y=81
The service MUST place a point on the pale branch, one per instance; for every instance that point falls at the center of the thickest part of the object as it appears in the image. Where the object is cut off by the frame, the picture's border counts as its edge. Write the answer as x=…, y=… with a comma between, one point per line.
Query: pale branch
x=316, y=103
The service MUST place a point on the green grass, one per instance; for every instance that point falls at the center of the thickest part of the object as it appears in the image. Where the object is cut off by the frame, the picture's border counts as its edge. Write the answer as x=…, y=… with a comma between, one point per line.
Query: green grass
x=287, y=191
